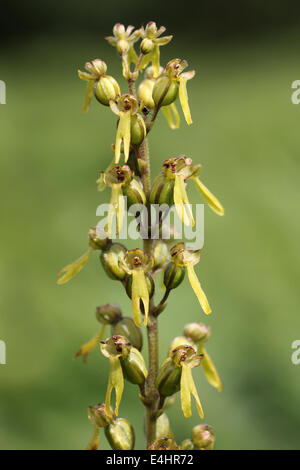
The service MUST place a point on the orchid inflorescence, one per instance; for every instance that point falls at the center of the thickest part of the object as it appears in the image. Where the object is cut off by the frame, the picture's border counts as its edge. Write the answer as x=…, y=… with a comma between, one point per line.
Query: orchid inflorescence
x=128, y=177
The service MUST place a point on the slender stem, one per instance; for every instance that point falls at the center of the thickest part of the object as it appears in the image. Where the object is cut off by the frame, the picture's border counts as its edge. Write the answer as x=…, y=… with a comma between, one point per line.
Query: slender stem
x=151, y=395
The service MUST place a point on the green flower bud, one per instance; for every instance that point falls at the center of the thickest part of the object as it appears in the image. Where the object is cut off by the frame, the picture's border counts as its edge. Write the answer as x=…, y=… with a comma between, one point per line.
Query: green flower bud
x=147, y=46
x=165, y=443
x=134, y=193
x=137, y=129
x=106, y=89
x=202, y=437
x=110, y=261
x=187, y=445
x=99, y=416
x=150, y=285
x=145, y=93
x=197, y=332
x=133, y=366
x=120, y=435
x=173, y=276
x=181, y=341
x=160, y=254
x=108, y=314
x=126, y=327
x=165, y=91
x=163, y=427
x=96, y=242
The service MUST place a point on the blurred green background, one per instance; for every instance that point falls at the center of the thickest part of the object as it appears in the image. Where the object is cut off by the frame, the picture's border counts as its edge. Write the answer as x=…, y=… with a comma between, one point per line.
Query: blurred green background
x=245, y=134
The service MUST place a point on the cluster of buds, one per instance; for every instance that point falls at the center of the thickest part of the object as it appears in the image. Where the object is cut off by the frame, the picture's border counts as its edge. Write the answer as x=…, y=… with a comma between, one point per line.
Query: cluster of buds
x=128, y=180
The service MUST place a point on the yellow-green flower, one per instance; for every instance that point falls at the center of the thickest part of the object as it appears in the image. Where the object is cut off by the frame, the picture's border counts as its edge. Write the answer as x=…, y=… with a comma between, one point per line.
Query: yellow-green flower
x=100, y=418
x=172, y=81
x=199, y=334
x=120, y=179
x=124, y=359
x=137, y=263
x=176, y=374
x=104, y=86
x=151, y=42
x=95, y=243
x=188, y=258
x=129, y=118
x=176, y=172
x=123, y=39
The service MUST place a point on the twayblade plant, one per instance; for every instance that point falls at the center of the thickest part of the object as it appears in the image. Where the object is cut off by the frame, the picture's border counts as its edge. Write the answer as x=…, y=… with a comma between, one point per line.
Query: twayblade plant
x=128, y=177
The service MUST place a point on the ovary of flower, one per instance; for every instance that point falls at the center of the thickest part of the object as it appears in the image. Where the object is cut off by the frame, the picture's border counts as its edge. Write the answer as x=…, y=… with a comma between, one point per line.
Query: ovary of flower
x=115, y=381
x=196, y=286
x=72, y=269
x=117, y=206
x=181, y=201
x=211, y=200
x=188, y=388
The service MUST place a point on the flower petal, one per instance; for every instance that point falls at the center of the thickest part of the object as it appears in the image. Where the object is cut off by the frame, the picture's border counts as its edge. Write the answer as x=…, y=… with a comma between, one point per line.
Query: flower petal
x=196, y=286
x=187, y=387
x=155, y=61
x=88, y=95
x=88, y=347
x=72, y=269
x=167, y=110
x=184, y=100
x=211, y=200
x=181, y=201
x=139, y=292
x=123, y=133
x=210, y=369
x=95, y=439
x=115, y=381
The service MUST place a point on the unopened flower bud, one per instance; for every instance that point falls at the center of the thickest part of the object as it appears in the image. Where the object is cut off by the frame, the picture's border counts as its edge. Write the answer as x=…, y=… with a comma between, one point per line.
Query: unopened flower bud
x=126, y=327
x=108, y=314
x=160, y=254
x=187, y=445
x=202, y=437
x=147, y=46
x=96, y=242
x=137, y=129
x=181, y=341
x=99, y=416
x=149, y=281
x=165, y=91
x=110, y=261
x=165, y=443
x=106, y=89
x=163, y=427
x=173, y=276
x=197, y=332
x=122, y=46
x=145, y=93
x=168, y=379
x=120, y=435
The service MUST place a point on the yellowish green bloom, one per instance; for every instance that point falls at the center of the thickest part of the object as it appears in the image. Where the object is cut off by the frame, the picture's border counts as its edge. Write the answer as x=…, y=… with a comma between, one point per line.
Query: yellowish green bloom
x=124, y=38
x=176, y=374
x=104, y=86
x=136, y=264
x=100, y=419
x=151, y=42
x=128, y=110
x=199, y=334
x=203, y=438
x=120, y=179
x=188, y=258
x=125, y=361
